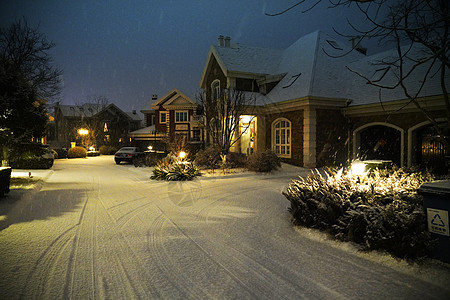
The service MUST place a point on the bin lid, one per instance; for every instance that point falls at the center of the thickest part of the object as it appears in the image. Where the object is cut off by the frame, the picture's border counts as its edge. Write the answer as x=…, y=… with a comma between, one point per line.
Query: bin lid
x=439, y=187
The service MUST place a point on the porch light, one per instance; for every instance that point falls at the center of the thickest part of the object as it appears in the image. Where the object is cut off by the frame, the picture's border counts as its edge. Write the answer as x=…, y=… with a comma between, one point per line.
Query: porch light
x=245, y=119
x=150, y=147
x=182, y=154
x=358, y=168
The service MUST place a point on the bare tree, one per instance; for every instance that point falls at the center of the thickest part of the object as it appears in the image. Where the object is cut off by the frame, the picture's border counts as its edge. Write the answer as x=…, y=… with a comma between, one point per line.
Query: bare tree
x=222, y=117
x=419, y=31
x=28, y=50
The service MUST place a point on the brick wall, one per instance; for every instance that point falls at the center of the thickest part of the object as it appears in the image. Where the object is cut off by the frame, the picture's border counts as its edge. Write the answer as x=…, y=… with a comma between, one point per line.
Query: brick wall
x=331, y=138
x=296, y=119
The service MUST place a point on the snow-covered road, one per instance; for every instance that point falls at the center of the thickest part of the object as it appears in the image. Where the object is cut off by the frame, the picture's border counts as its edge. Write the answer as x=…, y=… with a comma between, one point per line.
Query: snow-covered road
x=96, y=230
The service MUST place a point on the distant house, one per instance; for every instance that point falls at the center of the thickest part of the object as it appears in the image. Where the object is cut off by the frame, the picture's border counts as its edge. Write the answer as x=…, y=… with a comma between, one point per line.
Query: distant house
x=312, y=111
x=171, y=117
x=106, y=124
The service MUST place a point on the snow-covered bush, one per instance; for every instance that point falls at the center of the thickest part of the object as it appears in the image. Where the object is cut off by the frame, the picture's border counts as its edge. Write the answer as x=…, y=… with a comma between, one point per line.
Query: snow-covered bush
x=77, y=152
x=263, y=162
x=381, y=210
x=175, y=170
x=208, y=158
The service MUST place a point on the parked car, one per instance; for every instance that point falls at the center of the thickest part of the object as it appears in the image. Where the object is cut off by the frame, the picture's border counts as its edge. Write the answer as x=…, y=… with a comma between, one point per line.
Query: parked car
x=127, y=154
x=93, y=152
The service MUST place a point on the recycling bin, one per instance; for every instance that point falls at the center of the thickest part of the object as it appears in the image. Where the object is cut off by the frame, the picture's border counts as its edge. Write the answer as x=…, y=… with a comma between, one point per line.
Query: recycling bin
x=5, y=180
x=436, y=201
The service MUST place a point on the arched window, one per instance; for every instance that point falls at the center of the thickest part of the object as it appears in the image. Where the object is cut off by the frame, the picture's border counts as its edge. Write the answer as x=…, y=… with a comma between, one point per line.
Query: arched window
x=215, y=89
x=281, y=137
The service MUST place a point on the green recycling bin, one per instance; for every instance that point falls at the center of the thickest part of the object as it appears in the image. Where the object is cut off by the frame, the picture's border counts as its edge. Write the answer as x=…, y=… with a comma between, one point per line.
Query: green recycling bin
x=436, y=202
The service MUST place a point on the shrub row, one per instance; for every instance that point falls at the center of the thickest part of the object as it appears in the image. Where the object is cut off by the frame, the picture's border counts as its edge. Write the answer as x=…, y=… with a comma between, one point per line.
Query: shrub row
x=379, y=211
x=259, y=162
x=107, y=150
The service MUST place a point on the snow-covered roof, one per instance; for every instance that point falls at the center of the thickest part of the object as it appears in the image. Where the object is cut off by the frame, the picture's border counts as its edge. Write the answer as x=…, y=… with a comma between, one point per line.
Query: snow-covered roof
x=248, y=59
x=175, y=98
x=85, y=110
x=316, y=65
x=143, y=131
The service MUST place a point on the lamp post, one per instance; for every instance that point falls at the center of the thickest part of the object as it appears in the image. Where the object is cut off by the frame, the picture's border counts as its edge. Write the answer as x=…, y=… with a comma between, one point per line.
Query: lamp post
x=83, y=132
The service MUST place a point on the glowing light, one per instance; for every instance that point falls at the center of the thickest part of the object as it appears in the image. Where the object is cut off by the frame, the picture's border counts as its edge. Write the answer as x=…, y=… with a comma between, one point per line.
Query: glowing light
x=182, y=154
x=245, y=119
x=358, y=168
x=150, y=147
x=83, y=131
x=91, y=148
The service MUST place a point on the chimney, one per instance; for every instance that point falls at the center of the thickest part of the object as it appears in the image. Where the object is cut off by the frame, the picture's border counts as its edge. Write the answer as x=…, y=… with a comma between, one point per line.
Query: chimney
x=134, y=111
x=227, y=41
x=220, y=40
x=154, y=97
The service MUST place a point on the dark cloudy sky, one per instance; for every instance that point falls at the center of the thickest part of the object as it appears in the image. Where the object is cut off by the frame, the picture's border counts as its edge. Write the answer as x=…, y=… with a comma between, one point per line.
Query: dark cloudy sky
x=129, y=50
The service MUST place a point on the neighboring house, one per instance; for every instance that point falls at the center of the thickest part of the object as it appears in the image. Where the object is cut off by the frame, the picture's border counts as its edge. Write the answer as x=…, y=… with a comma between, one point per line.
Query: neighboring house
x=171, y=117
x=312, y=111
x=106, y=125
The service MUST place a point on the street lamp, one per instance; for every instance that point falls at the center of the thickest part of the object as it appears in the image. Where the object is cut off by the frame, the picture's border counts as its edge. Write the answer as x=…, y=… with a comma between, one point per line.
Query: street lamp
x=83, y=131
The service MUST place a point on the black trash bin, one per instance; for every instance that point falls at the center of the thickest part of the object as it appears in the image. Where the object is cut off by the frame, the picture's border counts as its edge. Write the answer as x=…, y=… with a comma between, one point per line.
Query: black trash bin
x=436, y=201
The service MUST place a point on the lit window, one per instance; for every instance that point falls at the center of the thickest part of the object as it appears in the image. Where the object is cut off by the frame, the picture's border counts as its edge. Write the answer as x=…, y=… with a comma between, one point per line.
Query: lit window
x=181, y=116
x=162, y=117
x=281, y=139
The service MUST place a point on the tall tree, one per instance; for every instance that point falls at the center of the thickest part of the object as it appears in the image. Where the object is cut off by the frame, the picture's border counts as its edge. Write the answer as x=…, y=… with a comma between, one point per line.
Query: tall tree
x=419, y=31
x=222, y=113
x=22, y=115
x=28, y=51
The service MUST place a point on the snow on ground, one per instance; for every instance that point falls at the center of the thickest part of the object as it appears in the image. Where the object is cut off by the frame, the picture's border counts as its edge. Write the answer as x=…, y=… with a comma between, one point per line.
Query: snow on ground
x=96, y=230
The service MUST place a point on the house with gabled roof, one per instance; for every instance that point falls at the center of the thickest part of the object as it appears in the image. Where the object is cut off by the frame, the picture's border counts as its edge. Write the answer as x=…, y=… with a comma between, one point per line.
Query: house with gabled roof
x=314, y=109
x=109, y=125
x=173, y=116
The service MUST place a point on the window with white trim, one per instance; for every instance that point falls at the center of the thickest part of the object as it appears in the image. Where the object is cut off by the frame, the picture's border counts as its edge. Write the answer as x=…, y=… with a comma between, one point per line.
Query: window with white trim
x=181, y=116
x=162, y=117
x=281, y=137
x=215, y=89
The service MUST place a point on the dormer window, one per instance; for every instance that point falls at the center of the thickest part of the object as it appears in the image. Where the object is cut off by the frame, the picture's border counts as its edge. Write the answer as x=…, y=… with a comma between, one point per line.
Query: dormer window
x=215, y=89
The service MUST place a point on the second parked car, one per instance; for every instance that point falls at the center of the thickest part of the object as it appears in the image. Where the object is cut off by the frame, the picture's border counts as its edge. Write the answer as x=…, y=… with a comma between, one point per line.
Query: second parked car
x=127, y=154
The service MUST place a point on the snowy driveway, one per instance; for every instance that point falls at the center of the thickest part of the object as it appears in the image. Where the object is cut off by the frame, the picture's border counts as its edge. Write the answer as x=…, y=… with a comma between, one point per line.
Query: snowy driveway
x=96, y=230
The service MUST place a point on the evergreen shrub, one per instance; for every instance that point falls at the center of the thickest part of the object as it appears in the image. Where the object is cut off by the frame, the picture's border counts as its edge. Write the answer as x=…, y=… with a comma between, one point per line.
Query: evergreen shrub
x=208, y=158
x=174, y=170
x=379, y=211
x=77, y=152
x=263, y=162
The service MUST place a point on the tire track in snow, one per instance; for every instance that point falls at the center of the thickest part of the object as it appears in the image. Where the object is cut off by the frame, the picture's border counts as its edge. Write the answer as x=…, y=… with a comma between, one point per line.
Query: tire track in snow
x=40, y=278
x=183, y=280
x=267, y=279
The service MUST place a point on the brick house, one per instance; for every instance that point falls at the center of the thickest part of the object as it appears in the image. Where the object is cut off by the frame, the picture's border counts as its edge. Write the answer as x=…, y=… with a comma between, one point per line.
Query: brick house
x=312, y=111
x=173, y=116
x=107, y=124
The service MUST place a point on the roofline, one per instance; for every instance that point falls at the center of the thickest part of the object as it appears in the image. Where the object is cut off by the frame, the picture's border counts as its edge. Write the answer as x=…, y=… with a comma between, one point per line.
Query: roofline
x=212, y=53
x=167, y=98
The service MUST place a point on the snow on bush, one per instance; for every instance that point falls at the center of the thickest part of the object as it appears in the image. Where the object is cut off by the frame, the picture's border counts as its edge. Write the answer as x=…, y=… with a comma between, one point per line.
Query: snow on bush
x=380, y=210
x=175, y=170
x=266, y=161
x=77, y=152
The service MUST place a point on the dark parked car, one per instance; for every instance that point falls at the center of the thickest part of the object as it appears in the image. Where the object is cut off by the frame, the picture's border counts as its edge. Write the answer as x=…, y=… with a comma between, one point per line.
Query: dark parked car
x=127, y=154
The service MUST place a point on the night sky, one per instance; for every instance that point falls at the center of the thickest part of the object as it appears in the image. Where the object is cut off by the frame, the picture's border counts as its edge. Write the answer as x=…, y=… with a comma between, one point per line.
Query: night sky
x=129, y=50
